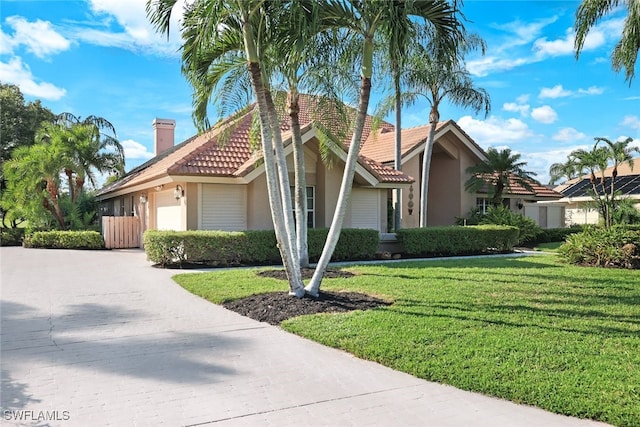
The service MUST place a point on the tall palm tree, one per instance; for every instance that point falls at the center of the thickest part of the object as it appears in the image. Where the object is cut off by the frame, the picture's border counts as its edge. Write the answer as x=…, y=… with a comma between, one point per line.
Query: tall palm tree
x=364, y=20
x=497, y=173
x=625, y=53
x=208, y=27
x=437, y=72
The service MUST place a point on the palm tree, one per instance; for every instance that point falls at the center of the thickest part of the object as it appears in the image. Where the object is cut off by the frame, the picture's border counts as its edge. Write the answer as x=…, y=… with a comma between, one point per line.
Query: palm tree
x=438, y=73
x=208, y=28
x=625, y=53
x=93, y=145
x=33, y=174
x=594, y=162
x=498, y=172
x=364, y=20
x=563, y=171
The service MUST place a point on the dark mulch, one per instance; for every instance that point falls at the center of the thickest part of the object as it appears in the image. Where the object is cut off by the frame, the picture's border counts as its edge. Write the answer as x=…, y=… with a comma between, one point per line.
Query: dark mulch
x=307, y=273
x=275, y=307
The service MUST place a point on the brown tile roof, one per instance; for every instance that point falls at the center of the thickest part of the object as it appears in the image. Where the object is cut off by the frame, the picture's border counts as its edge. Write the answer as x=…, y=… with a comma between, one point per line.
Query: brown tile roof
x=539, y=190
x=216, y=153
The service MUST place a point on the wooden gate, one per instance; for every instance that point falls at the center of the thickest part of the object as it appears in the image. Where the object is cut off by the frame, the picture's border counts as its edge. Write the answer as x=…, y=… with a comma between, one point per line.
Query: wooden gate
x=121, y=232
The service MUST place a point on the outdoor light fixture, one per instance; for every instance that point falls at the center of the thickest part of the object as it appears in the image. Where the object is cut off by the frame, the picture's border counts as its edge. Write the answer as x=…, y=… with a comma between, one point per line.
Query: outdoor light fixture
x=178, y=192
x=143, y=198
x=159, y=187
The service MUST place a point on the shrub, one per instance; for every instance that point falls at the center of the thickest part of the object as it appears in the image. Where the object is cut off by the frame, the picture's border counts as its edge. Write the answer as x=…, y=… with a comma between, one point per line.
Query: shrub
x=64, y=240
x=254, y=247
x=528, y=229
x=11, y=236
x=601, y=247
x=556, y=234
x=447, y=241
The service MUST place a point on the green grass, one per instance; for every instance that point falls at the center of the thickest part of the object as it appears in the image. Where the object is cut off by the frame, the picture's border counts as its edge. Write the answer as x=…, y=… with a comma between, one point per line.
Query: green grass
x=548, y=247
x=531, y=330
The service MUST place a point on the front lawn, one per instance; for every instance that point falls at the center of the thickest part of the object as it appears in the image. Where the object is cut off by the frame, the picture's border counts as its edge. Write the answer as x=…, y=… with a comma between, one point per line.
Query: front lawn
x=529, y=329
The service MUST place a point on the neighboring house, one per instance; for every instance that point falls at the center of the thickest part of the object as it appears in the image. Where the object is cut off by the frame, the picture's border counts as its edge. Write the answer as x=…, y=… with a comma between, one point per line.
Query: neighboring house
x=577, y=199
x=453, y=152
x=215, y=181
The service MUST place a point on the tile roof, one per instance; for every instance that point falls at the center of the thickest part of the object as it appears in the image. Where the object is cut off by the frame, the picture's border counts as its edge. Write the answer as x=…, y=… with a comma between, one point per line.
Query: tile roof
x=225, y=149
x=539, y=190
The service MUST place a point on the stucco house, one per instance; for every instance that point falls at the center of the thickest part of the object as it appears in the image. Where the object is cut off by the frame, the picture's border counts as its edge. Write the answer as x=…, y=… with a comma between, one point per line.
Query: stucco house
x=577, y=200
x=216, y=181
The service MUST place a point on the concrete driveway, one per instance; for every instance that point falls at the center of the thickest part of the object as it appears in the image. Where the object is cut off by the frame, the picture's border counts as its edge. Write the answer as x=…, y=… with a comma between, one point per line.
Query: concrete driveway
x=99, y=338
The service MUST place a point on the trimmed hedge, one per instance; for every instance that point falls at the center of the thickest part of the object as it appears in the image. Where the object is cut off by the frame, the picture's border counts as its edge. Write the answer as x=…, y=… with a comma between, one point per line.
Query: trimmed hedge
x=253, y=247
x=64, y=240
x=617, y=247
x=451, y=241
x=11, y=236
x=548, y=235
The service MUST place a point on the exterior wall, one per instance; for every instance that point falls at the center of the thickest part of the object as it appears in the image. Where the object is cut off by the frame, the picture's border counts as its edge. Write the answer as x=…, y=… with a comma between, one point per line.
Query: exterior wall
x=448, y=198
x=576, y=213
x=546, y=216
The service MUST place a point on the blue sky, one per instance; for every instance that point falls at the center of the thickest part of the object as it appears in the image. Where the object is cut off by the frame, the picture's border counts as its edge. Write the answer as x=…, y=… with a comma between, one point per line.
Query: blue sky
x=101, y=57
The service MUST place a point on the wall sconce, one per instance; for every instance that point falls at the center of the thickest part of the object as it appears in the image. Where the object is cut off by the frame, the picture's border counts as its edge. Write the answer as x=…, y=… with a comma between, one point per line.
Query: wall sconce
x=178, y=193
x=143, y=198
x=520, y=204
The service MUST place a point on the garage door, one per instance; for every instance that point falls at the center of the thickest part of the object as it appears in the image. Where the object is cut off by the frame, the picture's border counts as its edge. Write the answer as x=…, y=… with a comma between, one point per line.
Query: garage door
x=168, y=212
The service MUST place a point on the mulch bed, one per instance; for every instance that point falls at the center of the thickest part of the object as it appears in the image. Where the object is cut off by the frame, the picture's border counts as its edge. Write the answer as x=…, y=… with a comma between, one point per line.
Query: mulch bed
x=275, y=307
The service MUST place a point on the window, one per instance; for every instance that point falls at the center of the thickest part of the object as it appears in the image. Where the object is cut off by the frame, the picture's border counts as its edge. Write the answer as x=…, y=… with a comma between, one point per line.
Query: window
x=311, y=205
x=482, y=204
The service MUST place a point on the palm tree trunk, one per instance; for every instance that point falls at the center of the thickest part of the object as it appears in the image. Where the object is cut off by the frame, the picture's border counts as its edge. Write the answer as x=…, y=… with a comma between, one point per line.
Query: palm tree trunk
x=300, y=180
x=275, y=200
x=397, y=213
x=52, y=205
x=434, y=118
x=313, y=288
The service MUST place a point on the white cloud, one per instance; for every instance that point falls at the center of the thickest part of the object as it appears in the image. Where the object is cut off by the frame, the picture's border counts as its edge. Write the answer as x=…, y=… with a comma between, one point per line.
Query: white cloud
x=591, y=90
x=495, y=130
x=540, y=162
x=554, y=92
x=484, y=66
x=544, y=114
x=39, y=37
x=135, y=150
x=125, y=25
x=17, y=73
x=523, y=109
x=568, y=135
x=631, y=121
x=564, y=46
x=523, y=99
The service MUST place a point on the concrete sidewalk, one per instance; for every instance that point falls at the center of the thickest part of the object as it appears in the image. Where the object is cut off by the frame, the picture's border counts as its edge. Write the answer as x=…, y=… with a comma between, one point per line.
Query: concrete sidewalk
x=99, y=338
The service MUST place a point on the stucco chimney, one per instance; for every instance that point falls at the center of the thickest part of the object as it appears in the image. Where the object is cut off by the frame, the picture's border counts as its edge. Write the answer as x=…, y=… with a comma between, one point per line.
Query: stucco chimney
x=163, y=134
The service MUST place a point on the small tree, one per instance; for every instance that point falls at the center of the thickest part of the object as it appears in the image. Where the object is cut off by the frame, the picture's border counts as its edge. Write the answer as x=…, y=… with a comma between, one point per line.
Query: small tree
x=497, y=173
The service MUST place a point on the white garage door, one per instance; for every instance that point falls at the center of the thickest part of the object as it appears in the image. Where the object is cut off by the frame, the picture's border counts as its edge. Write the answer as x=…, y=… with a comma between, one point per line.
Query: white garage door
x=223, y=207
x=365, y=208
x=168, y=212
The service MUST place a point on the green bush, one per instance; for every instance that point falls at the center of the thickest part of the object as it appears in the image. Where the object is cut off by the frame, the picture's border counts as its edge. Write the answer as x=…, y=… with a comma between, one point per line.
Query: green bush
x=556, y=234
x=501, y=215
x=11, y=236
x=448, y=241
x=64, y=240
x=601, y=247
x=254, y=247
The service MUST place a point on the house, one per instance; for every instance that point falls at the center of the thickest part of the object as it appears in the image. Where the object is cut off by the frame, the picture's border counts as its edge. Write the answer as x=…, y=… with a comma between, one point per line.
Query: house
x=453, y=152
x=577, y=199
x=216, y=181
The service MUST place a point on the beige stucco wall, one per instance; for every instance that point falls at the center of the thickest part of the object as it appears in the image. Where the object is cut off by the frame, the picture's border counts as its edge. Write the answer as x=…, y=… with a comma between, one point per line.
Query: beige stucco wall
x=447, y=197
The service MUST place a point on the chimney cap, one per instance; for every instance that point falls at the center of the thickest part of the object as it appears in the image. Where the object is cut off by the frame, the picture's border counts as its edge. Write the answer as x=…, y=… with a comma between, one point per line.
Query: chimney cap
x=157, y=122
